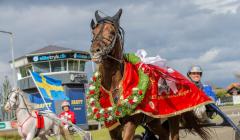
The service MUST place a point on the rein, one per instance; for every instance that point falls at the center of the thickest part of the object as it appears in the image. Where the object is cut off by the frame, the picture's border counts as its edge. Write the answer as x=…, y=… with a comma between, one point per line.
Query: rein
x=20, y=124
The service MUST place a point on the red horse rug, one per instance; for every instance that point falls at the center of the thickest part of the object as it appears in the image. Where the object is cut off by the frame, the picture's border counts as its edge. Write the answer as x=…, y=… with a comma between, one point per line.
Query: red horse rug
x=156, y=91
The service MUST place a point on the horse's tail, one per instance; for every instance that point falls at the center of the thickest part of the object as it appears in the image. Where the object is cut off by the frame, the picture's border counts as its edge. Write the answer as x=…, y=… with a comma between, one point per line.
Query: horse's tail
x=192, y=123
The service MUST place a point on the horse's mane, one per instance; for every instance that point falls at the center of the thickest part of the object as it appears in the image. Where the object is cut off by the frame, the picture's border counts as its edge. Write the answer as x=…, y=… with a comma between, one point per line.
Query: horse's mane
x=29, y=105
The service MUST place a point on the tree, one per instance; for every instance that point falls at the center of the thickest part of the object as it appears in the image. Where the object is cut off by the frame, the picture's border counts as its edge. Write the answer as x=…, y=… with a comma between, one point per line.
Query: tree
x=5, y=90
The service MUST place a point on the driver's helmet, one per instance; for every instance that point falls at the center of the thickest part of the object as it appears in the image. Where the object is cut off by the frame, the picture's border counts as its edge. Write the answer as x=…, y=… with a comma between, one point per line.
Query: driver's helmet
x=65, y=103
x=195, y=68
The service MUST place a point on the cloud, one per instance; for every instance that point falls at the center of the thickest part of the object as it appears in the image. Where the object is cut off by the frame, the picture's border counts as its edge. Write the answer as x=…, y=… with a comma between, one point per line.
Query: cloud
x=209, y=56
x=219, y=6
x=184, y=32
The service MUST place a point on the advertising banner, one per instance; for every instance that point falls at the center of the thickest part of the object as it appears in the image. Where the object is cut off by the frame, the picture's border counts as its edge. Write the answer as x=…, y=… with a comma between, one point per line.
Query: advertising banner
x=39, y=104
x=78, y=104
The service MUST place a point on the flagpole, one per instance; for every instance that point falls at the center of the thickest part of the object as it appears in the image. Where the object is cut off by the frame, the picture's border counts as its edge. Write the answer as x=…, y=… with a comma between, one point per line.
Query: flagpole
x=39, y=91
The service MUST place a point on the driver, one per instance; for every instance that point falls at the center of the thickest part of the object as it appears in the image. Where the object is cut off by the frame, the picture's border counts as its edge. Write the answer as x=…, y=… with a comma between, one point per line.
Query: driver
x=67, y=114
x=195, y=75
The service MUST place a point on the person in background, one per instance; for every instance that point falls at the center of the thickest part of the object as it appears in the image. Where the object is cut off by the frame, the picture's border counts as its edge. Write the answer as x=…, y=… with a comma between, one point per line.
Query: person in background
x=67, y=114
x=204, y=112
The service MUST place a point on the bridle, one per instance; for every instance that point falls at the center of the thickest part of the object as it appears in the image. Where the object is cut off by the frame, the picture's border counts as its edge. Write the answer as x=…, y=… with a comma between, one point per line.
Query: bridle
x=17, y=108
x=104, y=53
x=16, y=103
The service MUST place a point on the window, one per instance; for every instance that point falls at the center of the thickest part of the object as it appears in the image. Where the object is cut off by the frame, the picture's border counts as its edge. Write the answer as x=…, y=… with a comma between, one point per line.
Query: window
x=82, y=66
x=58, y=65
x=41, y=67
x=73, y=65
x=24, y=71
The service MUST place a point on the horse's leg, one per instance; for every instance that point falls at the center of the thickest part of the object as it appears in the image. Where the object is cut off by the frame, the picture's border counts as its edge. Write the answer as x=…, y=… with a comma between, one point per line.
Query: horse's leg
x=31, y=135
x=156, y=127
x=129, y=131
x=65, y=133
x=174, y=127
x=20, y=133
x=116, y=133
x=56, y=131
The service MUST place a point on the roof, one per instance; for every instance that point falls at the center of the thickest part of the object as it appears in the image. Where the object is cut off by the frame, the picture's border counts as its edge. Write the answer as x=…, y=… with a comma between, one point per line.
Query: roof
x=50, y=49
x=237, y=74
x=232, y=86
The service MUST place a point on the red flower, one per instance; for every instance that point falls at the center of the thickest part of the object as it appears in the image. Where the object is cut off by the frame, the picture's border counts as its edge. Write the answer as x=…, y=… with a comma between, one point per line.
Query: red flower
x=94, y=78
x=98, y=115
x=95, y=110
x=92, y=104
x=91, y=92
x=117, y=113
x=140, y=92
x=106, y=115
x=130, y=101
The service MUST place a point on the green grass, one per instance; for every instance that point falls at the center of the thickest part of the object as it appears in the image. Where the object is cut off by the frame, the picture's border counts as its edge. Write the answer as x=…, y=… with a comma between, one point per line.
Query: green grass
x=96, y=134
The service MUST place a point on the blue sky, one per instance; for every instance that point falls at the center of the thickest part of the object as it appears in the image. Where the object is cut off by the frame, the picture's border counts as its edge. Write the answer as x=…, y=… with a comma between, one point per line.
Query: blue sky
x=185, y=32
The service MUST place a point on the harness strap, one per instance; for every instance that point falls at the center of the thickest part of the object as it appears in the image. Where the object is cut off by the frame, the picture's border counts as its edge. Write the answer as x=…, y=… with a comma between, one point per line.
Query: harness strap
x=37, y=132
x=20, y=125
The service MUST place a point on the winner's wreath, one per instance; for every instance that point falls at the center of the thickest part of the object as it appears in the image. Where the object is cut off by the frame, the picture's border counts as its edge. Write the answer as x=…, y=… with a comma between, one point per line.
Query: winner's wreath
x=140, y=92
x=124, y=106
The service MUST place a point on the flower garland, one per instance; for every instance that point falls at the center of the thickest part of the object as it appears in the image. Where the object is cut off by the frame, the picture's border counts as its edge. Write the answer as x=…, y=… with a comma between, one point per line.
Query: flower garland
x=125, y=106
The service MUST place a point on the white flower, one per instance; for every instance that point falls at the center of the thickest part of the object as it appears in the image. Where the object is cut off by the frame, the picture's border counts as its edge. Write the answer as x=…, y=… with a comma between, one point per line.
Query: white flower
x=124, y=101
x=135, y=89
x=110, y=109
x=96, y=74
x=170, y=70
x=110, y=118
x=92, y=87
x=91, y=100
x=121, y=97
x=135, y=99
x=89, y=114
x=101, y=111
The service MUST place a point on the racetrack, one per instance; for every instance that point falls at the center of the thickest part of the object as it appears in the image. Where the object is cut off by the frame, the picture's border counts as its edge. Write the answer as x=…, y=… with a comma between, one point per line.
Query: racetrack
x=221, y=133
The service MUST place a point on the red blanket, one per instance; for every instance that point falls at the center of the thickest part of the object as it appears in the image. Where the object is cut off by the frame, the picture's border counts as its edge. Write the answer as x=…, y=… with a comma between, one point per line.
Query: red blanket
x=40, y=120
x=159, y=102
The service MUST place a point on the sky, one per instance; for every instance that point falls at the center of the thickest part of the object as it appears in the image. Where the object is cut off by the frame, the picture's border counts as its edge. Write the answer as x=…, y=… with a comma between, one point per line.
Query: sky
x=185, y=32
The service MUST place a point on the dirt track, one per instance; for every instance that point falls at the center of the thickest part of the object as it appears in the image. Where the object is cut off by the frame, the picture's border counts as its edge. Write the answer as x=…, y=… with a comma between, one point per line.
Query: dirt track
x=221, y=133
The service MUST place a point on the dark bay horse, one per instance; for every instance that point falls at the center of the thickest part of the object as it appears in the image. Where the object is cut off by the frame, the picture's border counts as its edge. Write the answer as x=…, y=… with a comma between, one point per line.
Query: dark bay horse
x=107, y=51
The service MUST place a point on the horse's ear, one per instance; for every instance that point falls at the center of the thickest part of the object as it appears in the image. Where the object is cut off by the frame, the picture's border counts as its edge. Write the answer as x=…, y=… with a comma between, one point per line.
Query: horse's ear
x=18, y=90
x=117, y=16
x=97, y=16
x=92, y=24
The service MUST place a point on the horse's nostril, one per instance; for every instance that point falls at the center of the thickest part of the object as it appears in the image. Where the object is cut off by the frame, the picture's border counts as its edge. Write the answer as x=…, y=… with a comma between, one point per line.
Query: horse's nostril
x=98, y=50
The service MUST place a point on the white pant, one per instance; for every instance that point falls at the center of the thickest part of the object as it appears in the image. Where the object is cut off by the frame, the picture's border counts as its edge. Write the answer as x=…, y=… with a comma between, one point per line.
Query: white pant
x=201, y=113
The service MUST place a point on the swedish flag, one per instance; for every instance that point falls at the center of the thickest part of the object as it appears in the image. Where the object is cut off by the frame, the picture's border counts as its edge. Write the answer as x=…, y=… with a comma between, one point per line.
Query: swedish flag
x=50, y=88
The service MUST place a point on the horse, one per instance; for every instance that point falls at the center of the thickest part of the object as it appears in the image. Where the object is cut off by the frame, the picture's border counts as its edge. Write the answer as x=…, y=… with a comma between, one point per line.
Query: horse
x=107, y=50
x=27, y=121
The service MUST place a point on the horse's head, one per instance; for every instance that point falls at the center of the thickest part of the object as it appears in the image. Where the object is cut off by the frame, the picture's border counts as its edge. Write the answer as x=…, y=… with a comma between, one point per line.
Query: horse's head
x=106, y=32
x=12, y=100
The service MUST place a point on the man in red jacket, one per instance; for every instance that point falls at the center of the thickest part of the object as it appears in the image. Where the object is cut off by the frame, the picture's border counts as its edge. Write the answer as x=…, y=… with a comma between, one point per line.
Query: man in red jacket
x=67, y=114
